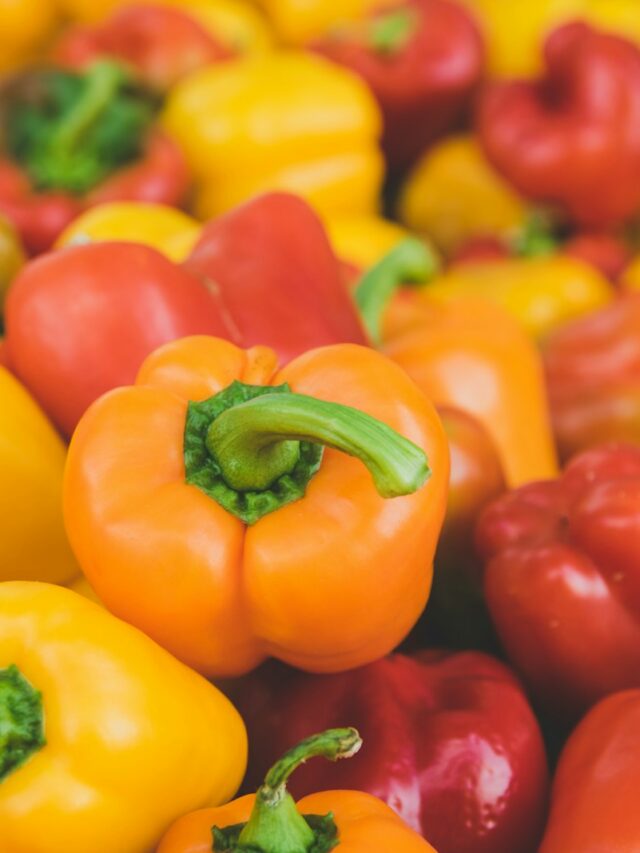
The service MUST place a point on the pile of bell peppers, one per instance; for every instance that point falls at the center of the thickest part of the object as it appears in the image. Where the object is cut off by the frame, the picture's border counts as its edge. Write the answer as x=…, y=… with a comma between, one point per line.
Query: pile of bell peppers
x=319, y=426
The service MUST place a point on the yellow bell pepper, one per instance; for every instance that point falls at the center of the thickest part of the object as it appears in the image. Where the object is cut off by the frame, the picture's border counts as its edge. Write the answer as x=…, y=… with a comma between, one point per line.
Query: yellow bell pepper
x=289, y=121
x=237, y=23
x=33, y=545
x=298, y=22
x=453, y=194
x=25, y=26
x=363, y=240
x=105, y=738
x=11, y=256
x=165, y=228
x=540, y=292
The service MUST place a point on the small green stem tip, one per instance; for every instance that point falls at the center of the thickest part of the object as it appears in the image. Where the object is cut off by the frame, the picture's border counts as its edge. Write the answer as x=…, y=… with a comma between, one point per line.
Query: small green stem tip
x=410, y=262
x=21, y=720
x=389, y=33
x=275, y=824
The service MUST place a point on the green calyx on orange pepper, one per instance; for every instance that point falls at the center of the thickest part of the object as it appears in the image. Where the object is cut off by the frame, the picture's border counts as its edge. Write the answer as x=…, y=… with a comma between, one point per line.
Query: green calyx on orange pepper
x=245, y=548
x=254, y=448
x=276, y=825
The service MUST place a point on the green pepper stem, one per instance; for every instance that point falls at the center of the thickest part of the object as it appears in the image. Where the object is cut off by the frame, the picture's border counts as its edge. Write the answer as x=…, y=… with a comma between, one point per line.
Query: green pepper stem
x=276, y=825
x=256, y=442
x=410, y=262
x=102, y=82
x=389, y=33
x=535, y=239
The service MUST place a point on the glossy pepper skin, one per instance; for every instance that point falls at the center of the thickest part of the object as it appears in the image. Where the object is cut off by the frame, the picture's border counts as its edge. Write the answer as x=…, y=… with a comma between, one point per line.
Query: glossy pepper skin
x=299, y=22
x=423, y=61
x=295, y=601
x=593, y=791
x=11, y=257
x=445, y=349
x=161, y=739
x=73, y=141
x=541, y=292
x=454, y=195
x=434, y=724
x=561, y=579
x=593, y=375
x=70, y=350
x=271, y=821
x=329, y=155
x=274, y=269
x=569, y=139
x=33, y=545
x=25, y=30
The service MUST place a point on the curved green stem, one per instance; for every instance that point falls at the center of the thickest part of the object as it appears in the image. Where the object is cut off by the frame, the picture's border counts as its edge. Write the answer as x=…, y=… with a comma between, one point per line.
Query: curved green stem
x=21, y=720
x=410, y=262
x=275, y=824
x=102, y=83
x=536, y=238
x=256, y=442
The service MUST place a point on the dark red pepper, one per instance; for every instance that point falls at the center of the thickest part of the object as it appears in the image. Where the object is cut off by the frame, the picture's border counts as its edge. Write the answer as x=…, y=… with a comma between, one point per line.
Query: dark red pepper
x=422, y=60
x=452, y=744
x=73, y=141
x=571, y=138
x=592, y=367
x=271, y=262
x=161, y=44
x=562, y=579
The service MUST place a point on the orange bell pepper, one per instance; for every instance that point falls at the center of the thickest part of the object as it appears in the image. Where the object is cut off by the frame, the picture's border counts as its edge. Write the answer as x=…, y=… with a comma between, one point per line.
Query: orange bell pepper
x=468, y=354
x=271, y=822
x=191, y=520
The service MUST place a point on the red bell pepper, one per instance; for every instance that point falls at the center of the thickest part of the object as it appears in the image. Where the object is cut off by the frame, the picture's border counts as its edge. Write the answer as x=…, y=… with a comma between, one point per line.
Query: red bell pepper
x=81, y=321
x=562, y=579
x=422, y=60
x=571, y=138
x=160, y=44
x=456, y=615
x=452, y=744
x=272, y=264
x=593, y=376
x=594, y=806
x=72, y=141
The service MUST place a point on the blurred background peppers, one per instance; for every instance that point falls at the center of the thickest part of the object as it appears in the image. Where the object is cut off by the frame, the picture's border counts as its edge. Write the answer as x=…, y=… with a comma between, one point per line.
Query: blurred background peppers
x=72, y=140
x=561, y=579
x=172, y=446
x=445, y=349
x=329, y=154
x=593, y=376
x=96, y=753
x=570, y=138
x=592, y=805
x=422, y=59
x=437, y=726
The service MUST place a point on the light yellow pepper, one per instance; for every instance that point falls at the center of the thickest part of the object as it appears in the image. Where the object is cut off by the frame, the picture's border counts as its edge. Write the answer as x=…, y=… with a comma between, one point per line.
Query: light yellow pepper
x=288, y=121
x=540, y=292
x=363, y=240
x=105, y=737
x=454, y=194
x=164, y=228
x=33, y=544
